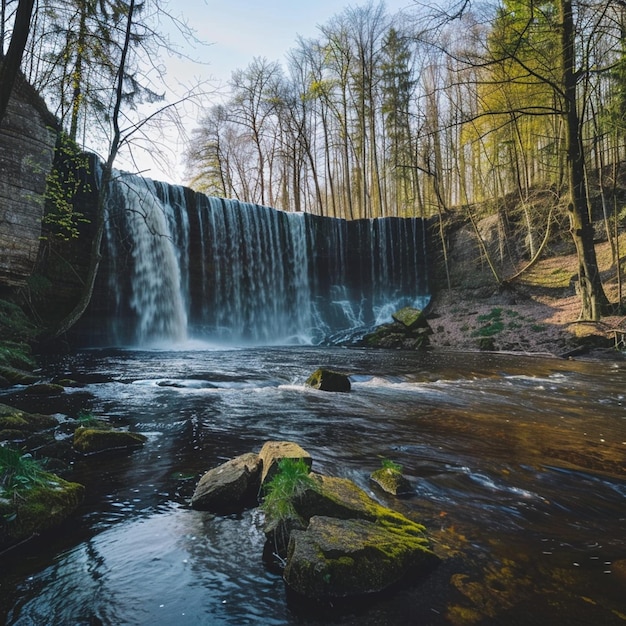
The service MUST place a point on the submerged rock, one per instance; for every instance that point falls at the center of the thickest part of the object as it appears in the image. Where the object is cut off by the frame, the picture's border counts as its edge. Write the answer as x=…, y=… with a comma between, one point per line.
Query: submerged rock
x=328, y=380
x=93, y=440
x=230, y=487
x=336, y=558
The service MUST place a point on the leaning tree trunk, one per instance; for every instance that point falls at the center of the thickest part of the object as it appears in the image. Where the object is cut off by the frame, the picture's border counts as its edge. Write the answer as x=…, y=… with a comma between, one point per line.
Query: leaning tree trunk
x=107, y=174
x=594, y=300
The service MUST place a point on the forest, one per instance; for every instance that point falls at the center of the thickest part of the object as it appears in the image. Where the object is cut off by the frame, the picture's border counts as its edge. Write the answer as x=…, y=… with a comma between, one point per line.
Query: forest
x=514, y=108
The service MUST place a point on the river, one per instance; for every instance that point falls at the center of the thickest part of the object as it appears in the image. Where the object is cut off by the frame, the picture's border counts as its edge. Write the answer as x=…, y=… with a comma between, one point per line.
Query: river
x=518, y=466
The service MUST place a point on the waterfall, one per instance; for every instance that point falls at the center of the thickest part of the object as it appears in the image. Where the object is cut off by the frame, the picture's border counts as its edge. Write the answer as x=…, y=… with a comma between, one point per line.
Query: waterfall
x=180, y=266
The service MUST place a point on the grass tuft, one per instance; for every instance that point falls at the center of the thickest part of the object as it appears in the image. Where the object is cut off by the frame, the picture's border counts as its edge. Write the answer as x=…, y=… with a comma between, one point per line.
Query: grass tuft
x=19, y=472
x=291, y=481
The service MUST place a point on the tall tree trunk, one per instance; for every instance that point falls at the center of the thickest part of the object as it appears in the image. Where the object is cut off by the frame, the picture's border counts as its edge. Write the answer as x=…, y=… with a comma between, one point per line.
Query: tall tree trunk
x=594, y=300
x=10, y=65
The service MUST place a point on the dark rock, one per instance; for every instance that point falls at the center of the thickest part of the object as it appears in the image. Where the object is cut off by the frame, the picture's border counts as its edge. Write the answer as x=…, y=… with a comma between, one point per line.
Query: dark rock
x=486, y=344
x=93, y=440
x=230, y=487
x=277, y=536
x=273, y=451
x=336, y=558
x=328, y=380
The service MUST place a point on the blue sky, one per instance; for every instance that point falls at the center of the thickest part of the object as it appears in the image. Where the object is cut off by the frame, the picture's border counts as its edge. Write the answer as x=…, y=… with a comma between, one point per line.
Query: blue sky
x=233, y=32
x=239, y=30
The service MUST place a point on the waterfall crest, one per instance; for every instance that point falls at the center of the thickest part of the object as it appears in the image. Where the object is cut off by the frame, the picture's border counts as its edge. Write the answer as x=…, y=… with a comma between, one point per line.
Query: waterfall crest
x=180, y=265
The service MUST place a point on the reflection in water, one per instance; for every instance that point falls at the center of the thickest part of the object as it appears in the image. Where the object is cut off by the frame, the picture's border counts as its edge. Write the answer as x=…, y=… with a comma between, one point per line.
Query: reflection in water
x=518, y=467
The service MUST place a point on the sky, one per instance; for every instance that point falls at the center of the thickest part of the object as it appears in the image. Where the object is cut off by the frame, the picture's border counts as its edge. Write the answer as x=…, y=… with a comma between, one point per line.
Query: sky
x=234, y=32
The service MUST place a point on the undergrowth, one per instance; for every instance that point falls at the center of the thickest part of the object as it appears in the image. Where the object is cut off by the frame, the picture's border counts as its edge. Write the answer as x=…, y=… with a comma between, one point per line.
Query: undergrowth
x=16, y=331
x=19, y=472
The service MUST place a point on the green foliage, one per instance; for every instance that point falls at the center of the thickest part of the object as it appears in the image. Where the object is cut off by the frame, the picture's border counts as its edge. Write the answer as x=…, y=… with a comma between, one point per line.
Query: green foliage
x=388, y=464
x=86, y=419
x=63, y=184
x=493, y=315
x=16, y=330
x=291, y=481
x=493, y=324
x=14, y=325
x=19, y=472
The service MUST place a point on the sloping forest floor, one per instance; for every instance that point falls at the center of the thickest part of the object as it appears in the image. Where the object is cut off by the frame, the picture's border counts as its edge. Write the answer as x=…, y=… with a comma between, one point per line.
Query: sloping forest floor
x=538, y=314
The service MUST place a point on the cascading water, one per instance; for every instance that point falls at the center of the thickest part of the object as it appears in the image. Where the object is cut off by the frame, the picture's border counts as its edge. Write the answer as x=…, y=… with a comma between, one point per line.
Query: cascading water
x=180, y=265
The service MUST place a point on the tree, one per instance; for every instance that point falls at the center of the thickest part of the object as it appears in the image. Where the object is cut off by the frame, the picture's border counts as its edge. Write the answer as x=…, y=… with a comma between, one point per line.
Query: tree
x=10, y=64
x=532, y=74
x=398, y=86
x=253, y=107
x=594, y=300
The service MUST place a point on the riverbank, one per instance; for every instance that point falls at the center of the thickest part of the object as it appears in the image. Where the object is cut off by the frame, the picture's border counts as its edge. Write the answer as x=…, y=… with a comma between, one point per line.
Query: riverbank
x=539, y=314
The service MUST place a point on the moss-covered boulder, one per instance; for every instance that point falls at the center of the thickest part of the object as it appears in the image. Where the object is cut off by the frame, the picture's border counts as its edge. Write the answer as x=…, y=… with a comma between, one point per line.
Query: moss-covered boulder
x=15, y=376
x=392, y=481
x=16, y=424
x=336, y=558
x=331, y=496
x=35, y=510
x=231, y=487
x=94, y=440
x=352, y=545
x=410, y=318
x=408, y=331
x=328, y=380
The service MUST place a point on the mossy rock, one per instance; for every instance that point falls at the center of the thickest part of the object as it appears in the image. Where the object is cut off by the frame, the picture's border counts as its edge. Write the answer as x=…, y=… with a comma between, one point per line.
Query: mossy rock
x=44, y=389
x=37, y=509
x=399, y=336
x=17, y=376
x=410, y=318
x=14, y=419
x=391, y=481
x=328, y=380
x=341, y=498
x=94, y=440
x=335, y=558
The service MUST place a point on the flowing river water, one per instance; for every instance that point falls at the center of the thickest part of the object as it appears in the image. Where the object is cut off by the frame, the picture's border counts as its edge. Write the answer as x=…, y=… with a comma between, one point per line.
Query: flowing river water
x=518, y=467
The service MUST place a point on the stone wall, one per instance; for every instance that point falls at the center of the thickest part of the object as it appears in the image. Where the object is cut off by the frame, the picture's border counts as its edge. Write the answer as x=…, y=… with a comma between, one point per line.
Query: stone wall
x=27, y=140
